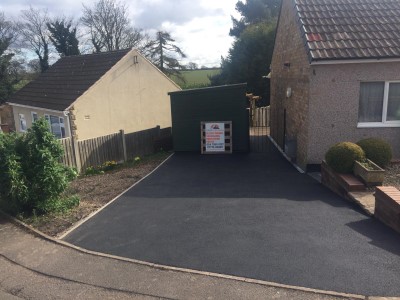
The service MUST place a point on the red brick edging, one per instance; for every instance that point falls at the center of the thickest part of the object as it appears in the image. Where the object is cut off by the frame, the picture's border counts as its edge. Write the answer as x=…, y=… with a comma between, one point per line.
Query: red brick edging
x=387, y=206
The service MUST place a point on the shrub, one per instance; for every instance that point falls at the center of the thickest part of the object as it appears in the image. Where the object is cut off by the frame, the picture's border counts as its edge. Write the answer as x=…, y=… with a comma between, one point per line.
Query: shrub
x=13, y=184
x=377, y=150
x=33, y=179
x=341, y=157
x=109, y=165
x=95, y=170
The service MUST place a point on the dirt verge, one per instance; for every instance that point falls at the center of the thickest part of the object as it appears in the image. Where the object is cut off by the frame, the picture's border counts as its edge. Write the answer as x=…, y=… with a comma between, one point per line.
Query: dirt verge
x=94, y=192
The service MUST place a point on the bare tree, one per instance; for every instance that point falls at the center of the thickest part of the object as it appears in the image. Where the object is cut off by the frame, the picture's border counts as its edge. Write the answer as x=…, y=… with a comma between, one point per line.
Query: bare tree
x=109, y=26
x=35, y=34
x=8, y=32
x=8, y=69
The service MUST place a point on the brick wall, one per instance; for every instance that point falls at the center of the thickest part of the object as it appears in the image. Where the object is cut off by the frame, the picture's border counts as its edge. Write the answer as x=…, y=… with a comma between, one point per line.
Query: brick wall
x=289, y=49
x=7, y=117
x=387, y=206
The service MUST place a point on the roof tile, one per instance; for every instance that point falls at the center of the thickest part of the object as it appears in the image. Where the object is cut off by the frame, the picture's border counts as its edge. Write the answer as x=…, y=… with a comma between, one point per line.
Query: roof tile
x=350, y=28
x=66, y=80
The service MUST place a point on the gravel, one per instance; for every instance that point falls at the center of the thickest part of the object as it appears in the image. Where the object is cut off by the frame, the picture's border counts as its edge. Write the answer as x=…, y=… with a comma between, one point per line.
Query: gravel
x=392, y=176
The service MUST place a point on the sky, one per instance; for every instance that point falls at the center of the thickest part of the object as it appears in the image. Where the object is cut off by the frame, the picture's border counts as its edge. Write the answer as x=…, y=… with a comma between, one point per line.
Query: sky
x=200, y=27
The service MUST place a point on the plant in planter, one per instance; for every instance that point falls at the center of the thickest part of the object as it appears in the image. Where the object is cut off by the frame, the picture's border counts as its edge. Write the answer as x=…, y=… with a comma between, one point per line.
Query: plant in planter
x=377, y=150
x=370, y=173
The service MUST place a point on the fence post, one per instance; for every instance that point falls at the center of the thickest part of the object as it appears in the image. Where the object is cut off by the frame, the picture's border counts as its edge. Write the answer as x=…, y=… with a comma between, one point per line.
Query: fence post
x=158, y=128
x=75, y=148
x=122, y=133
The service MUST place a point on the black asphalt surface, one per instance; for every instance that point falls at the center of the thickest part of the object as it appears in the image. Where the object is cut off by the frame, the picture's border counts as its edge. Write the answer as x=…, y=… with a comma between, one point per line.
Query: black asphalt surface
x=250, y=215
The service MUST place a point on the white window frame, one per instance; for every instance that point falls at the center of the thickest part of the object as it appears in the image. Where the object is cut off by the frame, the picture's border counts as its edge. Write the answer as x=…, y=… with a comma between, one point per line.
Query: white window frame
x=22, y=118
x=62, y=124
x=384, y=122
x=32, y=114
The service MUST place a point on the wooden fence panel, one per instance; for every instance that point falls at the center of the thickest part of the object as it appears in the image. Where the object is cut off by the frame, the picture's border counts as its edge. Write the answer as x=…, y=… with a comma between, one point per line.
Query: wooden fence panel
x=141, y=143
x=68, y=158
x=96, y=151
x=261, y=117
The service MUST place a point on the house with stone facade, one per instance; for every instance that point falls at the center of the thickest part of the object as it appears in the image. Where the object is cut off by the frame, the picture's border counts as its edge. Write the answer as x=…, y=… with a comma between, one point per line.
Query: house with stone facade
x=93, y=95
x=335, y=76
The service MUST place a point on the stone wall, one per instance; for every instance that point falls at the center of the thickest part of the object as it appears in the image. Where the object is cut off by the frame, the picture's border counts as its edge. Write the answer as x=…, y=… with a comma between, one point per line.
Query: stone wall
x=290, y=68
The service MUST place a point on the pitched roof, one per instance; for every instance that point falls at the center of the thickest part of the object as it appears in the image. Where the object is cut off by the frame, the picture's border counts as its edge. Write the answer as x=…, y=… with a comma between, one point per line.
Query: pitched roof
x=350, y=29
x=66, y=80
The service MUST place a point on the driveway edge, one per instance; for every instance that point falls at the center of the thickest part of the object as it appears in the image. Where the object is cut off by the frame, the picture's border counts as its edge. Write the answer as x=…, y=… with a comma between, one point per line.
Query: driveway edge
x=91, y=215
x=50, y=239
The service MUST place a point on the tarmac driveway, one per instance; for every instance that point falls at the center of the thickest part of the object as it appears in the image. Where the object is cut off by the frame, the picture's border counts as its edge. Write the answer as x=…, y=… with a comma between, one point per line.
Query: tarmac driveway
x=250, y=215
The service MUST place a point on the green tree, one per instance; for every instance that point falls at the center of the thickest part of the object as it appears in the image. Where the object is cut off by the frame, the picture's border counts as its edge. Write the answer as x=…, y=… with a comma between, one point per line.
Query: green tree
x=249, y=59
x=165, y=54
x=253, y=12
x=250, y=56
x=64, y=37
x=8, y=77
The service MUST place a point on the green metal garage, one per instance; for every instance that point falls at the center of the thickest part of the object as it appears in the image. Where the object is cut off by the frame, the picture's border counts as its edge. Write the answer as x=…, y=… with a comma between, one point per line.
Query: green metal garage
x=189, y=108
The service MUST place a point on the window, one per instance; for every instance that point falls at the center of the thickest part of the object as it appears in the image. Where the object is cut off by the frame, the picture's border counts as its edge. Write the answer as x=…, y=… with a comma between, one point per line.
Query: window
x=22, y=123
x=379, y=104
x=34, y=117
x=57, y=126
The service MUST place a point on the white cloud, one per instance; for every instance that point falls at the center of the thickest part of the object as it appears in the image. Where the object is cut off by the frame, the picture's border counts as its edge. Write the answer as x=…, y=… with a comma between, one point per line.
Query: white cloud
x=200, y=28
x=204, y=39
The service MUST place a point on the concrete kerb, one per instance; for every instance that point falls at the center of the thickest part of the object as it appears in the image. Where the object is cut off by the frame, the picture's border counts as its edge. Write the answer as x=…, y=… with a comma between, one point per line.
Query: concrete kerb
x=285, y=156
x=43, y=236
x=68, y=231
x=61, y=243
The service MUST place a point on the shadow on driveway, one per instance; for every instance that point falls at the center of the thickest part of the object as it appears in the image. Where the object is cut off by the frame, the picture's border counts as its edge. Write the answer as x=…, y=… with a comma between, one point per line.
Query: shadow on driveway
x=250, y=215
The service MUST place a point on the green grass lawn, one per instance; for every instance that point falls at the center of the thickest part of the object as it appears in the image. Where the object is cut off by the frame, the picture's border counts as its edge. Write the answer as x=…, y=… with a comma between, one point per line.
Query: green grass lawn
x=195, y=78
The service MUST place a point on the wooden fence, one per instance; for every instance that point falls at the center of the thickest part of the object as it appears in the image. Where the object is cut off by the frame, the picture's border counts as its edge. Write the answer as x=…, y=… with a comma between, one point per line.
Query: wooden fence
x=117, y=146
x=68, y=158
x=261, y=117
x=94, y=152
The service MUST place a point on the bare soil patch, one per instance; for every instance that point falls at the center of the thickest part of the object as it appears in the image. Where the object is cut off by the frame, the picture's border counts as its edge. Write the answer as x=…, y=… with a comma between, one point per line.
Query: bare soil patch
x=94, y=192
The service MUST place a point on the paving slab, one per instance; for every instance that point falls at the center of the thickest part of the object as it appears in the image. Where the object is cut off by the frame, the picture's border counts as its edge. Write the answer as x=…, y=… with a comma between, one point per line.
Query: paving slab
x=248, y=215
x=366, y=200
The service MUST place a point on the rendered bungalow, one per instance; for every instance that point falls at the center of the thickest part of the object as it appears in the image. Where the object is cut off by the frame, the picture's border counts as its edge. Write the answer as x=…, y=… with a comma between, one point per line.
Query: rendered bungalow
x=94, y=95
x=335, y=75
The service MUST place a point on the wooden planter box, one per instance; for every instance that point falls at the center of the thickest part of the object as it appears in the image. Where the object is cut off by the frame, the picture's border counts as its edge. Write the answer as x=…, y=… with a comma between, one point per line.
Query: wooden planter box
x=372, y=176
